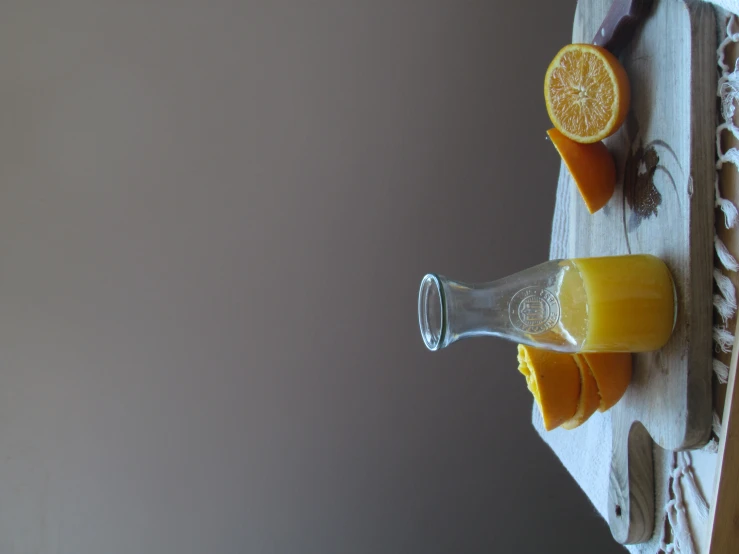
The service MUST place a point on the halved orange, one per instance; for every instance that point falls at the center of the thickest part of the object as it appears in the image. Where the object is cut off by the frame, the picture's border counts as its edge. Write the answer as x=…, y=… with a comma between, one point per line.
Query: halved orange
x=592, y=168
x=589, y=396
x=612, y=372
x=587, y=92
x=554, y=380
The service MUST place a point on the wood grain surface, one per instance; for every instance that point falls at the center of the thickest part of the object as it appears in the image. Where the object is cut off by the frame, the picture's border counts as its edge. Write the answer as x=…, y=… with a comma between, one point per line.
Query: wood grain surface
x=663, y=205
x=723, y=520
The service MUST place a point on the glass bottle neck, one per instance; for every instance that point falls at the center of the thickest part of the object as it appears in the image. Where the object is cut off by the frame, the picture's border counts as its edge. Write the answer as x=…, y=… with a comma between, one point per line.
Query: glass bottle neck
x=449, y=310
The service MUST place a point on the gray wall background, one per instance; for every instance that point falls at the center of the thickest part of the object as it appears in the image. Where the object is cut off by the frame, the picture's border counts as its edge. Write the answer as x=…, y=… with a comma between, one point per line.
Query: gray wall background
x=214, y=217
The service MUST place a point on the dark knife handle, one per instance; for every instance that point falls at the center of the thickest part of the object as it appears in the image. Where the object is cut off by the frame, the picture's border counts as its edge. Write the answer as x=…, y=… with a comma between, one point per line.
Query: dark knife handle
x=620, y=24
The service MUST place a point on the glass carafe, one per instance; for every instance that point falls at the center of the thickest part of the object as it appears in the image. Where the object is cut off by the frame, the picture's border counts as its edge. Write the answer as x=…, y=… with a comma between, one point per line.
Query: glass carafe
x=608, y=304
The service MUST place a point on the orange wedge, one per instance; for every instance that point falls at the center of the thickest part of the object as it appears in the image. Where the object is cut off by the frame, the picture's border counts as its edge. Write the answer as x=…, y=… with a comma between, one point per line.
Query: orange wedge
x=591, y=166
x=612, y=373
x=587, y=92
x=554, y=380
x=569, y=388
x=589, y=397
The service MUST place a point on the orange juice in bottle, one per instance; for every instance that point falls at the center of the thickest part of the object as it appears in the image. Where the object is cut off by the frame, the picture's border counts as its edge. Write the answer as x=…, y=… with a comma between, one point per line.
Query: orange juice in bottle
x=606, y=304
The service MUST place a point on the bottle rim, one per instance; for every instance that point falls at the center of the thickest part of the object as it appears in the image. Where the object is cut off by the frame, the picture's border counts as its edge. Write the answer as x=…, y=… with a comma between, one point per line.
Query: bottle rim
x=431, y=308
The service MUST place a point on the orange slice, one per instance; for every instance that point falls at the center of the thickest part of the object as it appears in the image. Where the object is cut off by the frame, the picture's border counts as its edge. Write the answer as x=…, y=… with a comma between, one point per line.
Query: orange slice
x=589, y=397
x=591, y=166
x=612, y=372
x=554, y=380
x=587, y=92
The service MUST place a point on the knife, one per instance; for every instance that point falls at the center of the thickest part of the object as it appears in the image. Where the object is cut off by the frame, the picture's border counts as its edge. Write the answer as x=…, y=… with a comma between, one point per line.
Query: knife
x=620, y=24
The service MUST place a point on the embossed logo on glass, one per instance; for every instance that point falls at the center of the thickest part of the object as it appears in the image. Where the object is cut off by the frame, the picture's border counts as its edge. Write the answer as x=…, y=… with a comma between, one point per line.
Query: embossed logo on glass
x=534, y=310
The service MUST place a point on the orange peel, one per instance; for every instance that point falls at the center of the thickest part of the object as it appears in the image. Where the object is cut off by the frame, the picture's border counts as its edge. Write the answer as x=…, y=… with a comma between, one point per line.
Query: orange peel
x=592, y=168
x=554, y=380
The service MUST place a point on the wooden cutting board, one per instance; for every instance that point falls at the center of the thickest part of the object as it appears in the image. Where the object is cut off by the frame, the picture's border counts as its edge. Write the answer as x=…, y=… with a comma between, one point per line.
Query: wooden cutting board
x=663, y=205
